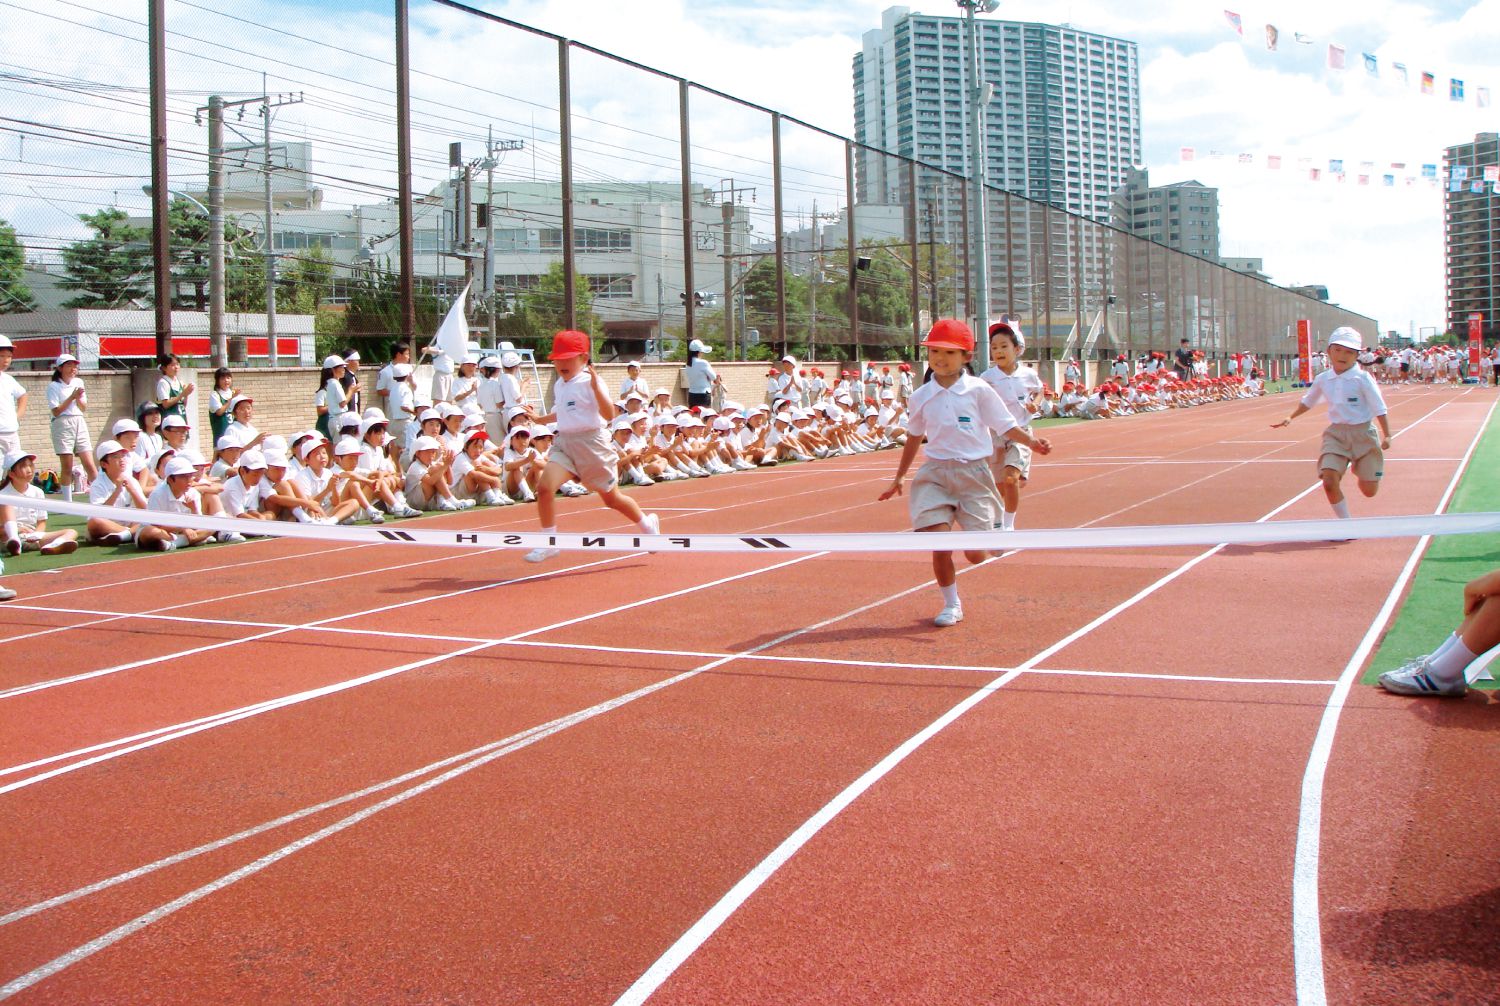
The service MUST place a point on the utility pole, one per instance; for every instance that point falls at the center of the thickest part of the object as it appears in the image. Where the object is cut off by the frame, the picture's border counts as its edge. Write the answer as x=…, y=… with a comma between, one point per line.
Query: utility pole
x=979, y=97
x=161, y=253
x=215, y=109
x=727, y=209
x=932, y=302
x=814, y=269
x=217, y=351
x=661, y=316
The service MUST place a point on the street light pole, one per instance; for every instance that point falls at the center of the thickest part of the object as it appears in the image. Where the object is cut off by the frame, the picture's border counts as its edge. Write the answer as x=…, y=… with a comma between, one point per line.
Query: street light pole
x=979, y=95
x=217, y=350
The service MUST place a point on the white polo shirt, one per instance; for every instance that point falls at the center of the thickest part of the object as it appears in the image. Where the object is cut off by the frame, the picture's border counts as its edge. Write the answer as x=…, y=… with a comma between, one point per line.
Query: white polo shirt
x=575, y=405
x=58, y=392
x=957, y=420
x=11, y=392
x=25, y=516
x=1353, y=397
x=1015, y=390
x=101, y=489
x=237, y=496
x=162, y=500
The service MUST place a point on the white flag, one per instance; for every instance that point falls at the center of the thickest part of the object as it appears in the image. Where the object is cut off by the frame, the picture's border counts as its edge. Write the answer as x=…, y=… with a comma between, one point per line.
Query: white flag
x=453, y=334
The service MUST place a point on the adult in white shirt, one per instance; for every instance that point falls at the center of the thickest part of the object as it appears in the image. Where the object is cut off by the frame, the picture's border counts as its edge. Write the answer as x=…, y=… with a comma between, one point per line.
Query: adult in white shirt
x=700, y=377
x=385, y=381
x=442, y=373
x=68, y=402
x=12, y=401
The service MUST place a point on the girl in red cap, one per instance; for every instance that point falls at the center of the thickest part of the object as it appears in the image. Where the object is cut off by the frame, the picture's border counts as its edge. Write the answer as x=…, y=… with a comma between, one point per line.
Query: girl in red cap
x=582, y=449
x=955, y=412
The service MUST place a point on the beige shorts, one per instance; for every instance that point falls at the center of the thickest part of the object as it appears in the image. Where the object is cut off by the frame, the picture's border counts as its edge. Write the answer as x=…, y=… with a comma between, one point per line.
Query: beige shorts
x=589, y=456
x=70, y=435
x=10, y=443
x=1009, y=454
x=948, y=491
x=1350, y=444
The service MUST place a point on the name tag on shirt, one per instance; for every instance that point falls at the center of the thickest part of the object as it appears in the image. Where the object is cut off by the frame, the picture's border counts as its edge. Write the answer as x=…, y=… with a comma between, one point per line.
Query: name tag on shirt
x=963, y=419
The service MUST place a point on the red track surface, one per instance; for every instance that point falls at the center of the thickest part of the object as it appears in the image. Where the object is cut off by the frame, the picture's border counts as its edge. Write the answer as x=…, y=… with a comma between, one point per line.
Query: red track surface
x=1121, y=836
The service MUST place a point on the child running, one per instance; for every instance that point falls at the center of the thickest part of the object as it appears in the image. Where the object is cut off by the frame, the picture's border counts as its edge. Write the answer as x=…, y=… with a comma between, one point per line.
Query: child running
x=955, y=412
x=1355, y=405
x=1017, y=387
x=581, y=408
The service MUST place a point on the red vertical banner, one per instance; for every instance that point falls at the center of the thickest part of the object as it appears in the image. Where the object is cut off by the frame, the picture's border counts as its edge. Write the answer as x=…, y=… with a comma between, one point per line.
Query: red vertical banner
x=1304, y=351
x=1476, y=342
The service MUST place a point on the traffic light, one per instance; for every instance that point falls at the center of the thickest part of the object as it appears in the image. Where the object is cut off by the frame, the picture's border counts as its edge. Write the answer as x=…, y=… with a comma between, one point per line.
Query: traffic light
x=697, y=298
x=683, y=297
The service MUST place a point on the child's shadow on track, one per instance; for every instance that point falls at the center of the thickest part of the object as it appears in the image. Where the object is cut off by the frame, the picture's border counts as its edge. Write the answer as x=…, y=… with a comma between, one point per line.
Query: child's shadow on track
x=1286, y=546
x=1402, y=937
x=1479, y=710
x=531, y=574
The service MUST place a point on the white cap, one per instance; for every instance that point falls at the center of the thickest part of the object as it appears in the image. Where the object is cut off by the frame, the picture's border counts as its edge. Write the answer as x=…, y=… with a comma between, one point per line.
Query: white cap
x=108, y=447
x=16, y=457
x=513, y=412
x=369, y=423
x=178, y=466
x=789, y=359
x=619, y=424
x=633, y=363
x=376, y=414
x=253, y=460
x=400, y=370
x=490, y=363
x=275, y=459
x=346, y=445
x=697, y=346
x=723, y=425
x=331, y=361
x=308, y=446
x=5, y=343
x=348, y=420
x=428, y=413
x=471, y=421
x=635, y=395
x=1347, y=337
x=510, y=358
x=523, y=428
x=274, y=443
x=174, y=422
x=125, y=426
x=229, y=441
x=426, y=444
x=538, y=430
x=661, y=391
x=65, y=358
x=448, y=410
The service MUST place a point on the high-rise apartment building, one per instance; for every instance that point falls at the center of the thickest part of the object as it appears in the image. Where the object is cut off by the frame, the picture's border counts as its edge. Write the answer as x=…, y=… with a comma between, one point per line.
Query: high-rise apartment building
x=1183, y=215
x=1471, y=226
x=1062, y=128
x=1064, y=124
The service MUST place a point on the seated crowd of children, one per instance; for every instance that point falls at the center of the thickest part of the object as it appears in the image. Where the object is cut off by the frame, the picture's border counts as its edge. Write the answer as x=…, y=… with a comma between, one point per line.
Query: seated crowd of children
x=1145, y=393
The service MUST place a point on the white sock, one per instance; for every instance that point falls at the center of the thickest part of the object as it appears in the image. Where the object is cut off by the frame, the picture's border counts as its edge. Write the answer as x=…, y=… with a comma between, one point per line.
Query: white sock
x=550, y=530
x=1444, y=646
x=1448, y=663
x=10, y=530
x=950, y=594
x=1008, y=520
x=67, y=492
x=1342, y=509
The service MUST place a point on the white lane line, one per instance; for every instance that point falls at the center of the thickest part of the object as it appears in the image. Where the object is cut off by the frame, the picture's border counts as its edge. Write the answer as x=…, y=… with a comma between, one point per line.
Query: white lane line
x=668, y=963
x=112, y=749
x=1307, y=924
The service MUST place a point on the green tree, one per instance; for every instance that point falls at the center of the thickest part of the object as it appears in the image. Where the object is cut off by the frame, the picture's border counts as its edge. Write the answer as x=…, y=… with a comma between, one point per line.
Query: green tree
x=244, y=269
x=306, y=281
x=544, y=305
x=375, y=309
x=15, y=295
x=112, y=269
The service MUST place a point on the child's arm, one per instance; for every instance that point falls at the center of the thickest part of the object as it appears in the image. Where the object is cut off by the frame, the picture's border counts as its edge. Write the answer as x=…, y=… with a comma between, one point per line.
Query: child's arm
x=908, y=454
x=1299, y=410
x=607, y=409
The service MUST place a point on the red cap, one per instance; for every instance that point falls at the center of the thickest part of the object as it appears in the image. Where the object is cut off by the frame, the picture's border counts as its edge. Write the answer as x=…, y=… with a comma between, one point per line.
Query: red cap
x=950, y=333
x=568, y=344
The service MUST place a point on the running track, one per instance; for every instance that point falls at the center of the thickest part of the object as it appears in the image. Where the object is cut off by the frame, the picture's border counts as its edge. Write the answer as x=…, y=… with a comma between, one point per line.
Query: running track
x=290, y=772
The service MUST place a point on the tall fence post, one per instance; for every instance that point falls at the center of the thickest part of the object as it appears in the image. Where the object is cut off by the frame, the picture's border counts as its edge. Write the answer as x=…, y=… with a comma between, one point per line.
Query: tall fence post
x=853, y=242
x=565, y=146
x=781, y=338
x=688, y=244
x=405, y=240
x=161, y=251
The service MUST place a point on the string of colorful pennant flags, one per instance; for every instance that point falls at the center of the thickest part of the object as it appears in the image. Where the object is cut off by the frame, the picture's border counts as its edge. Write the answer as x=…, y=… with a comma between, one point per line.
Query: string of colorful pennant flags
x=1457, y=178
x=1337, y=59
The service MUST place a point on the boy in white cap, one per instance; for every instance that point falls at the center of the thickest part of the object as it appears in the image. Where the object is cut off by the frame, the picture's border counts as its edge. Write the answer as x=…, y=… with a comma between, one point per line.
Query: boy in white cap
x=1018, y=387
x=114, y=486
x=243, y=493
x=1355, y=406
x=582, y=451
x=12, y=401
x=173, y=496
x=956, y=413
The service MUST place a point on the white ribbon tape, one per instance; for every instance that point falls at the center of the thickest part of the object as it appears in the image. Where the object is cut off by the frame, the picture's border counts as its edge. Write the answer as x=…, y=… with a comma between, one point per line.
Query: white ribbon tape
x=1258, y=533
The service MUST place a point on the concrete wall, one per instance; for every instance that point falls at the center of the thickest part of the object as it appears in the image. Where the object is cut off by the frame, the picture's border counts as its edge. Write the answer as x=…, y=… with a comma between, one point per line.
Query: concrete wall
x=283, y=397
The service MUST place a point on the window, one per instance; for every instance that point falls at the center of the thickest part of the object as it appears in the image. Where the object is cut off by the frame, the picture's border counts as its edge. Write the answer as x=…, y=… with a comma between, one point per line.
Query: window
x=587, y=239
x=612, y=286
x=301, y=240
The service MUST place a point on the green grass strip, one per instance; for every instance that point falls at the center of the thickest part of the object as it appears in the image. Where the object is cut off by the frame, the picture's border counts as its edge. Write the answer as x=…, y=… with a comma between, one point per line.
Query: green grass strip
x=1434, y=605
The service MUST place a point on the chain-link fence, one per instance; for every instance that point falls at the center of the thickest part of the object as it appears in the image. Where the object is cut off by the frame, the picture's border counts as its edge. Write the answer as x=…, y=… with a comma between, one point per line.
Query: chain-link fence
x=560, y=184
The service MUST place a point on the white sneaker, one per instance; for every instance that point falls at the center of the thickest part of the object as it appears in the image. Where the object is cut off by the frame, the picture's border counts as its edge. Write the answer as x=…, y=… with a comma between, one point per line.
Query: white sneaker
x=447, y=504
x=229, y=537
x=950, y=615
x=1414, y=678
x=466, y=504
x=376, y=517
x=768, y=462
x=542, y=554
x=527, y=496
x=167, y=546
x=741, y=464
x=652, y=524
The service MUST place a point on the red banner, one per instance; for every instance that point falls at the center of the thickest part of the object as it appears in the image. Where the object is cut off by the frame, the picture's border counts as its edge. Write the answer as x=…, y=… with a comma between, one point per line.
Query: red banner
x=1476, y=342
x=1304, y=351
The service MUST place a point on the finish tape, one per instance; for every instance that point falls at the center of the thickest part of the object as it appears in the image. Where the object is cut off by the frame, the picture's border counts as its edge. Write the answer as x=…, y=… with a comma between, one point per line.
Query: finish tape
x=1147, y=536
